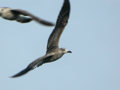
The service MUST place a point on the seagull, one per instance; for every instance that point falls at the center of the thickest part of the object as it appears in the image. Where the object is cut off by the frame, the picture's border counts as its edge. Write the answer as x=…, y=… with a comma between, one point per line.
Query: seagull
x=20, y=16
x=53, y=51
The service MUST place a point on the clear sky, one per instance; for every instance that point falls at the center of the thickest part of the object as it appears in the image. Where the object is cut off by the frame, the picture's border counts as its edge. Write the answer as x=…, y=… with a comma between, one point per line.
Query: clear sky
x=92, y=34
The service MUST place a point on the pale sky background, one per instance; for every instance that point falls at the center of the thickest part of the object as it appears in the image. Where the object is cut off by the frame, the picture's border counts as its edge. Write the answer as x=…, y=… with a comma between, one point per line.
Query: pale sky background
x=92, y=34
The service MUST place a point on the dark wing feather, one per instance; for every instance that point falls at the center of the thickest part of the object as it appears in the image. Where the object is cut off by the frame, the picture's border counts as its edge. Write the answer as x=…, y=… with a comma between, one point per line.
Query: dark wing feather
x=62, y=20
x=39, y=20
x=33, y=65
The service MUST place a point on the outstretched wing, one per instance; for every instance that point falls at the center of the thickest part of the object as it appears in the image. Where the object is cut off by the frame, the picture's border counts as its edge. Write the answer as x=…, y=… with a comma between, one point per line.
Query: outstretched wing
x=39, y=20
x=33, y=65
x=61, y=22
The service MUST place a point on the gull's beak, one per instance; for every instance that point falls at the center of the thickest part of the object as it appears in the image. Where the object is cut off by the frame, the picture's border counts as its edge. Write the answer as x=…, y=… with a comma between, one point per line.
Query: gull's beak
x=69, y=51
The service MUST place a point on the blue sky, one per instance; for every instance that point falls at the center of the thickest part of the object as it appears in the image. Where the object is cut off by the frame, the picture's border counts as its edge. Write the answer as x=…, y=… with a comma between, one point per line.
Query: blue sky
x=92, y=34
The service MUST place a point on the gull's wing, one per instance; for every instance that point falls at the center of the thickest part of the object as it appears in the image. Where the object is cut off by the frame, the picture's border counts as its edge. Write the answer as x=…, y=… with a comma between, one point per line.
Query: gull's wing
x=61, y=22
x=33, y=65
x=39, y=20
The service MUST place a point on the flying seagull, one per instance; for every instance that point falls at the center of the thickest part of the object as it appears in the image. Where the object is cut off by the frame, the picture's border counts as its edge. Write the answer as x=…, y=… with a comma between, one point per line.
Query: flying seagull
x=53, y=51
x=20, y=16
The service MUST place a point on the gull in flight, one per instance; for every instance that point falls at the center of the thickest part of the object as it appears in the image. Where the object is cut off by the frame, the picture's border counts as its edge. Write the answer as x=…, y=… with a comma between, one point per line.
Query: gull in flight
x=20, y=16
x=53, y=51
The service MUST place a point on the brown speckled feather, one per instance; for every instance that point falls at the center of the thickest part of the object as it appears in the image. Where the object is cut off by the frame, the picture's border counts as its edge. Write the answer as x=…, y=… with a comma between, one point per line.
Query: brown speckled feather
x=53, y=52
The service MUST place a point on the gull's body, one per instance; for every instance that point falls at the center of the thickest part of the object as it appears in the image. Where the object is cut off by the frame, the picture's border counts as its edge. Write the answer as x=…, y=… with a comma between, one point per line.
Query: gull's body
x=53, y=51
x=20, y=16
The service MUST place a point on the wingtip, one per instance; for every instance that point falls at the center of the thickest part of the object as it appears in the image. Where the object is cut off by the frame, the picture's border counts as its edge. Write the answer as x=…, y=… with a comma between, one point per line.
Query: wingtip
x=47, y=23
x=14, y=76
x=52, y=24
x=21, y=73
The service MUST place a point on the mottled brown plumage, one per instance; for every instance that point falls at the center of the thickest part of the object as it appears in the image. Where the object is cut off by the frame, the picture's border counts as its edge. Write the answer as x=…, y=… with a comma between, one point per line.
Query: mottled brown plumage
x=20, y=16
x=53, y=51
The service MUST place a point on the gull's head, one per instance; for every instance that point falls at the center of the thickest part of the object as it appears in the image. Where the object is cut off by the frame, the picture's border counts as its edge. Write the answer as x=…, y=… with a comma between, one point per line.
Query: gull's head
x=65, y=50
x=3, y=9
